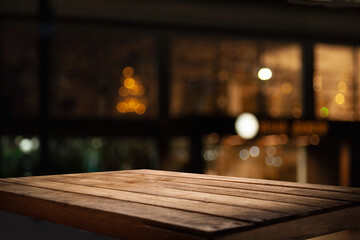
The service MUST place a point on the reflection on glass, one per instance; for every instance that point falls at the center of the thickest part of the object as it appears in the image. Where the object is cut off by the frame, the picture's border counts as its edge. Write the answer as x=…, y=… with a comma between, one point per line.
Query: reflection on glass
x=19, y=71
x=19, y=156
x=101, y=72
x=92, y=154
x=334, y=82
x=278, y=157
x=179, y=154
x=222, y=77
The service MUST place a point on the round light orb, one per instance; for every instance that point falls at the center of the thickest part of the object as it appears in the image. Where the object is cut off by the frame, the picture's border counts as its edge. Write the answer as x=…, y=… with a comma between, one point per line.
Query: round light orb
x=265, y=74
x=247, y=125
x=25, y=145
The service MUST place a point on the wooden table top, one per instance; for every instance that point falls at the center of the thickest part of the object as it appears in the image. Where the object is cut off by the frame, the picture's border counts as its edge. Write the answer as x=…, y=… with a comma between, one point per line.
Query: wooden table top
x=149, y=204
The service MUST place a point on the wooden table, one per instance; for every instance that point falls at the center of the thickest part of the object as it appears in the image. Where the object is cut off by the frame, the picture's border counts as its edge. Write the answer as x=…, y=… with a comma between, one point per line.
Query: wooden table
x=149, y=204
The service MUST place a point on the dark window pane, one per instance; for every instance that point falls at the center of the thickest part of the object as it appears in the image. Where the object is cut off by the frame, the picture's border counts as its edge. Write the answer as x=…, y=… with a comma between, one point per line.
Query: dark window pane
x=19, y=156
x=92, y=154
x=19, y=70
x=101, y=72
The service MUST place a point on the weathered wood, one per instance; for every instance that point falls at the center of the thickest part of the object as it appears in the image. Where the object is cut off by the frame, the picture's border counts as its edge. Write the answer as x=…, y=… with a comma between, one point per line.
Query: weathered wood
x=335, y=195
x=303, y=228
x=148, y=204
x=233, y=212
x=252, y=194
x=76, y=210
x=247, y=180
x=151, y=188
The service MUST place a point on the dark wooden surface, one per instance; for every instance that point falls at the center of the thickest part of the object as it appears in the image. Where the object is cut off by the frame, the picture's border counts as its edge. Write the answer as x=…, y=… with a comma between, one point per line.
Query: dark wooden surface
x=149, y=204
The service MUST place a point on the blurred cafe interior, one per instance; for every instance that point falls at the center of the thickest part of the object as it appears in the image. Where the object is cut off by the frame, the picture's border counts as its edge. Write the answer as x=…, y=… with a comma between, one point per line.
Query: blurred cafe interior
x=110, y=85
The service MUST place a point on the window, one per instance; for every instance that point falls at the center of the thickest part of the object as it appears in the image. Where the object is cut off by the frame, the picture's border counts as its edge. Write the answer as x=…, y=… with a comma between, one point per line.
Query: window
x=220, y=77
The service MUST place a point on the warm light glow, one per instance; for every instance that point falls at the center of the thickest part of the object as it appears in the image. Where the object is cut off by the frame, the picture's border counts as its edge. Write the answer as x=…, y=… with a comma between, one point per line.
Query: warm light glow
x=339, y=98
x=132, y=103
x=324, y=112
x=296, y=112
x=123, y=92
x=271, y=150
x=277, y=162
x=122, y=107
x=317, y=85
x=224, y=75
x=25, y=145
x=342, y=87
x=314, y=139
x=129, y=83
x=128, y=72
x=247, y=125
x=140, y=108
x=244, y=154
x=286, y=88
x=254, y=151
x=265, y=74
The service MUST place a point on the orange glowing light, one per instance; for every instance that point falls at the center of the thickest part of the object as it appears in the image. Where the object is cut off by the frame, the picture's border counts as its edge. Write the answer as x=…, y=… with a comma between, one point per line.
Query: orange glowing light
x=339, y=98
x=140, y=108
x=129, y=83
x=286, y=88
x=132, y=103
x=342, y=86
x=123, y=92
x=128, y=72
x=122, y=107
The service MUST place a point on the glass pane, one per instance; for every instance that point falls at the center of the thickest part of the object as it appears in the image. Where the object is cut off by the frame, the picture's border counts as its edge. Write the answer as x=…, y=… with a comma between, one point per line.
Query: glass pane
x=179, y=154
x=19, y=71
x=19, y=156
x=309, y=158
x=334, y=82
x=100, y=72
x=220, y=77
x=92, y=154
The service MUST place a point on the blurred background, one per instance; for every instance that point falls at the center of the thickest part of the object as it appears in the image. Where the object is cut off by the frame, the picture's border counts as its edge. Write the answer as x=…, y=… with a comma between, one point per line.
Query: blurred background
x=115, y=84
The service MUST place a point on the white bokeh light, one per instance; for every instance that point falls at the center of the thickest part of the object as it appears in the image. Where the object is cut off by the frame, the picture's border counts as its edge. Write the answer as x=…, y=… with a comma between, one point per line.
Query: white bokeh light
x=265, y=74
x=247, y=125
x=25, y=145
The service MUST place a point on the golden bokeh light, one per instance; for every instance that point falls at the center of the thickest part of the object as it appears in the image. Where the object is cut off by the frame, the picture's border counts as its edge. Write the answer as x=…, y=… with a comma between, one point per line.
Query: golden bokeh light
x=132, y=102
x=140, y=108
x=129, y=83
x=286, y=88
x=297, y=112
x=342, y=87
x=123, y=92
x=339, y=98
x=121, y=107
x=324, y=112
x=317, y=85
x=128, y=72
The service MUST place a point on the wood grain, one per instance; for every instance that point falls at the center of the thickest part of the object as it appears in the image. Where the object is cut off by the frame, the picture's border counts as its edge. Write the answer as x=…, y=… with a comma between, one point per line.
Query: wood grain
x=149, y=204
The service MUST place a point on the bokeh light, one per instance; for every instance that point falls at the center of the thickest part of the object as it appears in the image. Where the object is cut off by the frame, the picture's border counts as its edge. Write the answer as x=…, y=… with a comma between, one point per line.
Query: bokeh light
x=286, y=88
x=140, y=108
x=324, y=112
x=264, y=74
x=25, y=145
x=342, y=87
x=339, y=98
x=244, y=154
x=128, y=72
x=121, y=107
x=297, y=112
x=254, y=151
x=129, y=83
x=314, y=139
x=247, y=125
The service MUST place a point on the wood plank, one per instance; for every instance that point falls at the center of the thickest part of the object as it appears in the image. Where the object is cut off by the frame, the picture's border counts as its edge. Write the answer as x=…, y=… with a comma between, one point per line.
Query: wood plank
x=349, y=197
x=268, y=196
x=154, y=188
x=303, y=228
x=247, y=180
x=116, y=218
x=233, y=212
